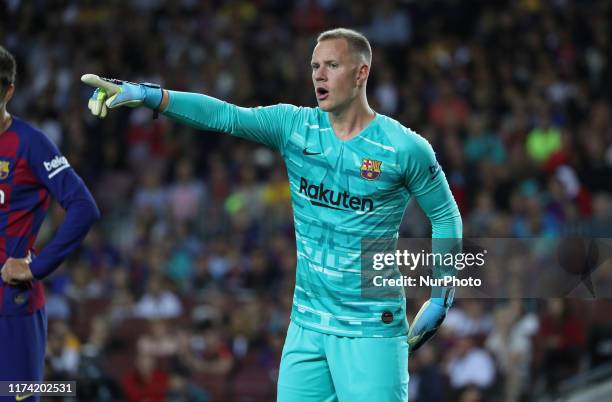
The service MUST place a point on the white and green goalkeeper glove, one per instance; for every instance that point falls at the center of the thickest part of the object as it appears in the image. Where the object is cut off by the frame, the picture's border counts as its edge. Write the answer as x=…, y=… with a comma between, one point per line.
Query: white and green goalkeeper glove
x=429, y=318
x=111, y=93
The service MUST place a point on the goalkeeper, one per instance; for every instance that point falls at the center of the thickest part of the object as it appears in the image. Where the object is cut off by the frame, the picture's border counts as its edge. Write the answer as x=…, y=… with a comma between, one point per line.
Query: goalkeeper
x=352, y=172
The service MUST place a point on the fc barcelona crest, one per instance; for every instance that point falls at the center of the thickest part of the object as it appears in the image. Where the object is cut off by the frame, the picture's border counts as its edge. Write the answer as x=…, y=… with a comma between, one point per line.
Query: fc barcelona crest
x=370, y=169
x=4, y=169
x=20, y=298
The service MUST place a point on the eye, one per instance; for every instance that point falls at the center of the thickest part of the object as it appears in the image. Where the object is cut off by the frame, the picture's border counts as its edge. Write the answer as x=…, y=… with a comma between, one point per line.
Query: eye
x=334, y=65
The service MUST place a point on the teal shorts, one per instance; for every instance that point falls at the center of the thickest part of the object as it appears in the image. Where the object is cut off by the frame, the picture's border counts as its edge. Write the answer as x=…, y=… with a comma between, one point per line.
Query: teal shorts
x=318, y=367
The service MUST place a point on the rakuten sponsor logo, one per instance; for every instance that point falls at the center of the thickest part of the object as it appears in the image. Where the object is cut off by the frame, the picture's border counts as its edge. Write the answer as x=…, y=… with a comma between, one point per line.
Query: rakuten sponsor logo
x=321, y=196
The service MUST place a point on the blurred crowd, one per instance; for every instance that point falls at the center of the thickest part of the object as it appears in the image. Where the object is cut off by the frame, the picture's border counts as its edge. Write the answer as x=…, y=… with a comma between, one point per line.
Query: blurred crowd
x=183, y=290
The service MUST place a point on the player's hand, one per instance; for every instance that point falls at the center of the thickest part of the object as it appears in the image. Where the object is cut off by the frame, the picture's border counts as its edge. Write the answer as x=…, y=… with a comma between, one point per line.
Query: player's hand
x=426, y=323
x=111, y=93
x=16, y=271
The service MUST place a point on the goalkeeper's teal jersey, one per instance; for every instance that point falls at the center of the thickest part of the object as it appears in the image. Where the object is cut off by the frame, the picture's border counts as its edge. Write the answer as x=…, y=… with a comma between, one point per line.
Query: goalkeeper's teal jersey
x=342, y=192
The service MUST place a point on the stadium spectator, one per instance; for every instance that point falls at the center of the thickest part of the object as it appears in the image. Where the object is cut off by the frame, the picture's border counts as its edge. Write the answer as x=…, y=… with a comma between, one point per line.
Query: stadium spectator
x=145, y=382
x=158, y=301
x=469, y=365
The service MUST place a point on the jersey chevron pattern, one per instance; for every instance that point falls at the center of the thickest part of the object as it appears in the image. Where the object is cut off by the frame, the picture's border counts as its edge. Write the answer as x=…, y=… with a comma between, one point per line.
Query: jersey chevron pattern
x=342, y=192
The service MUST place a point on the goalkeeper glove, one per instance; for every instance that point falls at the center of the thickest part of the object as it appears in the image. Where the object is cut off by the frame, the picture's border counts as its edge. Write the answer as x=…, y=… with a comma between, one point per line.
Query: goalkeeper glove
x=429, y=318
x=112, y=93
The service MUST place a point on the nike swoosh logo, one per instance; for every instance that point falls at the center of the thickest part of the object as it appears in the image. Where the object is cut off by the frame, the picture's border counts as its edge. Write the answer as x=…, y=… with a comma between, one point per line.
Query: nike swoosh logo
x=22, y=397
x=305, y=151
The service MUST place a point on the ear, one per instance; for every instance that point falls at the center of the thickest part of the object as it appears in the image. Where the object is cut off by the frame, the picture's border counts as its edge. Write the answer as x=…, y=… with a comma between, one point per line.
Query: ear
x=362, y=74
x=8, y=95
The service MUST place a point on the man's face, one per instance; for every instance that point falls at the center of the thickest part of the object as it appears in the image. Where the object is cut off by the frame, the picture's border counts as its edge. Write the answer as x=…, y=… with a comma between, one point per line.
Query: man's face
x=335, y=72
x=6, y=93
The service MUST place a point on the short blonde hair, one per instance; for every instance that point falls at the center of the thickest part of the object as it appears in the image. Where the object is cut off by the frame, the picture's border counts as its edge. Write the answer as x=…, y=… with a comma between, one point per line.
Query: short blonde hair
x=357, y=42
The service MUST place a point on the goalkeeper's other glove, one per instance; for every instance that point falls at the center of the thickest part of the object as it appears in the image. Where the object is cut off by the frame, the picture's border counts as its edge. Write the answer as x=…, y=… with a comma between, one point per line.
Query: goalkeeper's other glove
x=112, y=93
x=429, y=318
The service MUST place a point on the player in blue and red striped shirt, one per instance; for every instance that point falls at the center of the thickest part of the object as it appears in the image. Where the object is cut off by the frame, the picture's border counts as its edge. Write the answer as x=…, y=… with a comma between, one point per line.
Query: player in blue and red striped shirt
x=32, y=170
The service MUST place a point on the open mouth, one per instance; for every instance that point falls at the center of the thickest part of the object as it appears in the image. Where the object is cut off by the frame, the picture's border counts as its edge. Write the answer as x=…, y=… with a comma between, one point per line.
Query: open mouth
x=322, y=93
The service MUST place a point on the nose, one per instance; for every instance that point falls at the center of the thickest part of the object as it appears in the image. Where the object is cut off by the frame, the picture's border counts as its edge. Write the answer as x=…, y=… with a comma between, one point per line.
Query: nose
x=319, y=74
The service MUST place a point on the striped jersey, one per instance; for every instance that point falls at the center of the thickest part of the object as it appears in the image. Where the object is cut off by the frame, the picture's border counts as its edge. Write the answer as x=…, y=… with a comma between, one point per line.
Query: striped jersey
x=32, y=170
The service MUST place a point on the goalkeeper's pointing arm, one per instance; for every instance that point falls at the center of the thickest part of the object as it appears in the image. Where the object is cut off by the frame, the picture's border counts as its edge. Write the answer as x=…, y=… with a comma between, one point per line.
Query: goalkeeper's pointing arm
x=269, y=125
